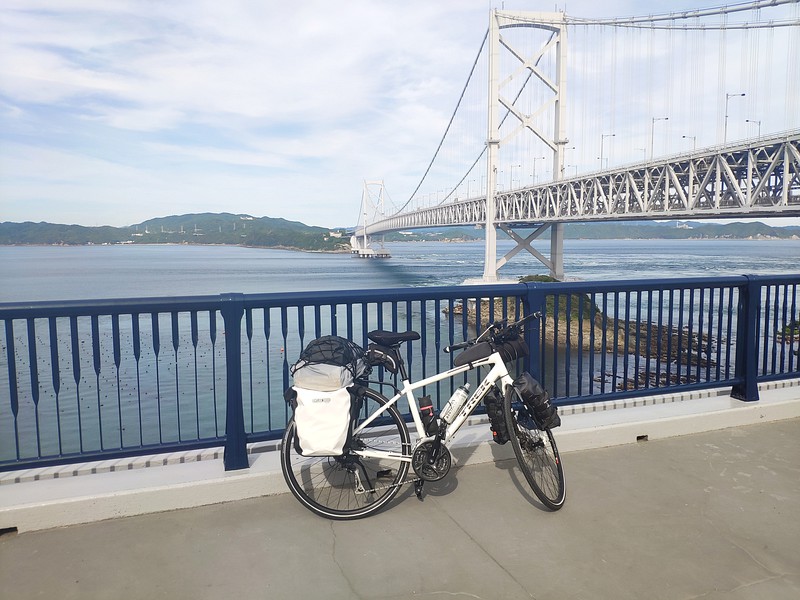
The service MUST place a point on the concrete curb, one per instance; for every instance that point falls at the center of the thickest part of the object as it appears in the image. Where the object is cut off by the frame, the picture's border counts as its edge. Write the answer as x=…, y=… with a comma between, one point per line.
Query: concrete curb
x=59, y=496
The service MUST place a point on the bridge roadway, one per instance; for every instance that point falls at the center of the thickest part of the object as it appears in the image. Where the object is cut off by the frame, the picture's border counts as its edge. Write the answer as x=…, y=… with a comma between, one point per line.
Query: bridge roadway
x=755, y=178
x=711, y=514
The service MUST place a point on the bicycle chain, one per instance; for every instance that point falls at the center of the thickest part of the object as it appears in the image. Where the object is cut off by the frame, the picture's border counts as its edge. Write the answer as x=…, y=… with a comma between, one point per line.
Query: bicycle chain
x=391, y=485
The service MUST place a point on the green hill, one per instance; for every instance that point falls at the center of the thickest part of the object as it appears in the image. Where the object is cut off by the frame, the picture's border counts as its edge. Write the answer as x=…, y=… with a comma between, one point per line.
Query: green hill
x=268, y=232
x=204, y=228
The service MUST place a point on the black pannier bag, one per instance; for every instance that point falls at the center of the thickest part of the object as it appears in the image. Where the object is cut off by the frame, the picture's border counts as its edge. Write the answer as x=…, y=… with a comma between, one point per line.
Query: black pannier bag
x=329, y=363
x=537, y=400
x=497, y=419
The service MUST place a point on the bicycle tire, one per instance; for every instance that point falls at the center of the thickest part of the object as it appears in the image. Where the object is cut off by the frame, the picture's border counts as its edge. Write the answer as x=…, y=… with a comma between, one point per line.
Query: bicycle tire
x=536, y=451
x=328, y=485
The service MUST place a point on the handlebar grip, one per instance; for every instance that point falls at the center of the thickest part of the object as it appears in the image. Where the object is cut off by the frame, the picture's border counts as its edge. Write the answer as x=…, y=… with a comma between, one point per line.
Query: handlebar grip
x=449, y=349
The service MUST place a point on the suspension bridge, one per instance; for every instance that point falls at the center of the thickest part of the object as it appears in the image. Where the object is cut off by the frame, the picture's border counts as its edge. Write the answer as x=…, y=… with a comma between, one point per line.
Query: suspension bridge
x=690, y=115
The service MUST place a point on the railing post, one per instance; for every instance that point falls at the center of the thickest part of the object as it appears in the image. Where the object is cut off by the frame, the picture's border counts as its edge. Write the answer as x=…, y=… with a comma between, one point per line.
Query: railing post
x=534, y=302
x=235, y=457
x=749, y=309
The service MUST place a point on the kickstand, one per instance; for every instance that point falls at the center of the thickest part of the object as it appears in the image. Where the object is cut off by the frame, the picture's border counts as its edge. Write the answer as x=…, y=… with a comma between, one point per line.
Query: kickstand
x=418, y=489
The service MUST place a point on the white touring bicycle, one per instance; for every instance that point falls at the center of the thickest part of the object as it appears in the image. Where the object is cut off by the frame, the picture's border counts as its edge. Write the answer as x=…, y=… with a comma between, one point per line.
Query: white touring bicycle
x=374, y=461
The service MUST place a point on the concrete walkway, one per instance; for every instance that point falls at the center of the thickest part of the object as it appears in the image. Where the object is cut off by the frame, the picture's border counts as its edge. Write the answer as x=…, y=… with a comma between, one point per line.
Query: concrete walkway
x=707, y=515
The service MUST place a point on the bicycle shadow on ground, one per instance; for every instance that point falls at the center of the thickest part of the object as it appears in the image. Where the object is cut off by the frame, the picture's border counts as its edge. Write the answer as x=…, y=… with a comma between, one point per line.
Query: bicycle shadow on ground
x=510, y=465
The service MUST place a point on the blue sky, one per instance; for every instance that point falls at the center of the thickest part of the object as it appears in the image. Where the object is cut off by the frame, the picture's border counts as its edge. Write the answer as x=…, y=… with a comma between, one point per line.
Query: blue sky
x=116, y=112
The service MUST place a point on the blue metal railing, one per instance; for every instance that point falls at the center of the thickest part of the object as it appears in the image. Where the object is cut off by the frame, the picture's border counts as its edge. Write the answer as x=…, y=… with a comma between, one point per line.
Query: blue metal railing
x=103, y=379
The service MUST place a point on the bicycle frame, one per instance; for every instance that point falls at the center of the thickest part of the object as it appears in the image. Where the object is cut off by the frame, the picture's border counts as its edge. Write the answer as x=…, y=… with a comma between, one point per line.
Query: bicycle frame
x=498, y=372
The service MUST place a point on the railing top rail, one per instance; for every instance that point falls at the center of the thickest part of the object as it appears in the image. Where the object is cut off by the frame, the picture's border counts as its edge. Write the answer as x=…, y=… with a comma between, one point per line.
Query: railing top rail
x=70, y=308
x=80, y=308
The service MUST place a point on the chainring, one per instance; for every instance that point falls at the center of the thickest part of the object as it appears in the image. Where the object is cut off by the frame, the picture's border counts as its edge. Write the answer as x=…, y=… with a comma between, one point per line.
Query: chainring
x=427, y=471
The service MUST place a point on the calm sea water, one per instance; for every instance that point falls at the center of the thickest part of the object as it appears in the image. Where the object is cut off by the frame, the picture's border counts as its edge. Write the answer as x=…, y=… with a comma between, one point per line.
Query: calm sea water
x=87, y=272
x=138, y=401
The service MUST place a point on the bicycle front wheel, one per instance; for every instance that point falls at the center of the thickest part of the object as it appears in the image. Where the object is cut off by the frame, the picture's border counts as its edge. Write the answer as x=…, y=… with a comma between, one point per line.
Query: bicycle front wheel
x=536, y=452
x=350, y=486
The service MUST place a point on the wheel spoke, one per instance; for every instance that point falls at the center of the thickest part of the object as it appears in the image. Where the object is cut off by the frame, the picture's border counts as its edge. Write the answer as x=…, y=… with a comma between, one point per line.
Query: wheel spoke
x=350, y=486
x=536, y=453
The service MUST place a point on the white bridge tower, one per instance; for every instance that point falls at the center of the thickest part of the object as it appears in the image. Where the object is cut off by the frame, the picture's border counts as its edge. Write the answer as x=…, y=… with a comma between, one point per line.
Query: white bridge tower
x=373, y=208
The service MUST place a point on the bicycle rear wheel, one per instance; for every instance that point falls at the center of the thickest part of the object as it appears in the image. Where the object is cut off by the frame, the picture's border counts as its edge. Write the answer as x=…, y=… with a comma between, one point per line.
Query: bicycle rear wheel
x=536, y=452
x=351, y=486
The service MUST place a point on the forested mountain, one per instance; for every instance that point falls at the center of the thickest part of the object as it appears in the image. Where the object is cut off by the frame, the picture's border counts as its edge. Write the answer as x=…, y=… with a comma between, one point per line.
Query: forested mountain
x=268, y=232
x=206, y=228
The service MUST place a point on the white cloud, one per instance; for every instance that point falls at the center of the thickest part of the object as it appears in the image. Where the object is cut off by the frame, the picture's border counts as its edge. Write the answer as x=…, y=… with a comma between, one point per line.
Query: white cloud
x=113, y=112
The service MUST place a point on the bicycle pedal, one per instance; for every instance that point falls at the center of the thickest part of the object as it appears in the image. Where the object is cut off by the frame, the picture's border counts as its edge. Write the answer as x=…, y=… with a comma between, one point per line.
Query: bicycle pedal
x=418, y=489
x=385, y=474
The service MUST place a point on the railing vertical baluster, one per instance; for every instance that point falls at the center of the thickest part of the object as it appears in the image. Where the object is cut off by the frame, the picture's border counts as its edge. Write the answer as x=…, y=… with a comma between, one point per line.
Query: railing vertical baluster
x=33, y=369
x=175, y=346
x=195, y=339
x=96, y=364
x=437, y=339
x=409, y=346
x=12, y=380
x=720, y=319
x=746, y=334
x=579, y=376
x=268, y=374
x=117, y=354
x=156, y=350
x=700, y=342
x=690, y=351
x=615, y=356
x=774, y=330
x=648, y=340
x=568, y=342
x=784, y=313
x=766, y=314
x=317, y=321
x=660, y=342
x=284, y=334
x=348, y=308
x=626, y=341
x=334, y=320
x=248, y=319
x=212, y=336
x=670, y=336
x=465, y=330
x=451, y=339
x=794, y=326
x=55, y=375
x=137, y=353
x=729, y=333
x=679, y=365
x=76, y=373
x=556, y=320
x=365, y=328
x=423, y=333
x=235, y=457
x=710, y=332
x=604, y=320
x=593, y=312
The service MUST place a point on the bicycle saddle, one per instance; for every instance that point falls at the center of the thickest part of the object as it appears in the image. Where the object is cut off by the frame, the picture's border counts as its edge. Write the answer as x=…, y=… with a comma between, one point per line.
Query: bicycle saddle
x=392, y=338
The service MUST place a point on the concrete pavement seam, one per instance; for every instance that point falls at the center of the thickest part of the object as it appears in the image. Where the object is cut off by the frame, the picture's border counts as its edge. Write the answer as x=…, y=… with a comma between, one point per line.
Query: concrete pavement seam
x=338, y=564
x=484, y=550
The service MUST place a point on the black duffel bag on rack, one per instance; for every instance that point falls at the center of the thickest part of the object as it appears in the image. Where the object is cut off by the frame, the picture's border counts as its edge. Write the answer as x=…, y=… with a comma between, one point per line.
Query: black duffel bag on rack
x=537, y=400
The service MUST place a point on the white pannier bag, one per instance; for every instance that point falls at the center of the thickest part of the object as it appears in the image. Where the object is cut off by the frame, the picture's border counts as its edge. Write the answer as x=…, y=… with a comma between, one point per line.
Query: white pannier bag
x=322, y=421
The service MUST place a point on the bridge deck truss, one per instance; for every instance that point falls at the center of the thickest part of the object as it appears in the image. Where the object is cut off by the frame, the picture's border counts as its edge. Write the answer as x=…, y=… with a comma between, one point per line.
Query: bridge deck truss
x=757, y=178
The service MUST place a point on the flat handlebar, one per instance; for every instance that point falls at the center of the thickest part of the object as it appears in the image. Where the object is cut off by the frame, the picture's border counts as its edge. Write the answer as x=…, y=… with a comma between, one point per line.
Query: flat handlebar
x=502, y=328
